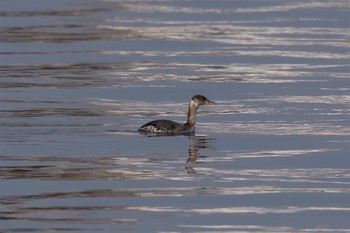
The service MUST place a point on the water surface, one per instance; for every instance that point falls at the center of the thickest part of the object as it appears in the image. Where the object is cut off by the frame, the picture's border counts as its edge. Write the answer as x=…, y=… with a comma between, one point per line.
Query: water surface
x=80, y=77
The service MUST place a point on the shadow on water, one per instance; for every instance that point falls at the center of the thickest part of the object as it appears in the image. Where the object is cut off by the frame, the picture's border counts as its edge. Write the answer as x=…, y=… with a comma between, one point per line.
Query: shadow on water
x=119, y=167
x=196, y=143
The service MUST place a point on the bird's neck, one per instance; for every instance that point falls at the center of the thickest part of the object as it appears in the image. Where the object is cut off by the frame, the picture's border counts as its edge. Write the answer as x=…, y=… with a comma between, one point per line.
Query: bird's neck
x=192, y=112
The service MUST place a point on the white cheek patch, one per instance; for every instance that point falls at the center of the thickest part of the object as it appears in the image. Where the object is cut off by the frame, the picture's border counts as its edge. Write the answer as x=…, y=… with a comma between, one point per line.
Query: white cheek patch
x=194, y=103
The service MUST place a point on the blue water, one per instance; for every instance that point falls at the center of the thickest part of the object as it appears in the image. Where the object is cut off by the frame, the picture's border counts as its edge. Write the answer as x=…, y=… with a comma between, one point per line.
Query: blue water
x=78, y=78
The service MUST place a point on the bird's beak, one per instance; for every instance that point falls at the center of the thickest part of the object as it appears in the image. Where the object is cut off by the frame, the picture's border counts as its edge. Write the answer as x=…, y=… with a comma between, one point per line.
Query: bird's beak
x=210, y=102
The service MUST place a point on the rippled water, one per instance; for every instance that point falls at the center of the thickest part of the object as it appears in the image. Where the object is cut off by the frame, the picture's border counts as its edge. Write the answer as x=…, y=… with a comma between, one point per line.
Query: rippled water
x=79, y=78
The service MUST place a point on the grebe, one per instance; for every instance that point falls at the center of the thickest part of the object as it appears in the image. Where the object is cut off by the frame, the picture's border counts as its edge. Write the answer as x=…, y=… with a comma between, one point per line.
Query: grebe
x=167, y=127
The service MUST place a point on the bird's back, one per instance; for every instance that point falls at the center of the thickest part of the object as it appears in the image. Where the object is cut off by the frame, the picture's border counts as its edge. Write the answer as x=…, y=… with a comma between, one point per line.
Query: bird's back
x=165, y=127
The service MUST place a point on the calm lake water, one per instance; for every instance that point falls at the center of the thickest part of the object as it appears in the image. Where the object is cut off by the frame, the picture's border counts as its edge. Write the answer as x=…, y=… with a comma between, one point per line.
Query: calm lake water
x=78, y=77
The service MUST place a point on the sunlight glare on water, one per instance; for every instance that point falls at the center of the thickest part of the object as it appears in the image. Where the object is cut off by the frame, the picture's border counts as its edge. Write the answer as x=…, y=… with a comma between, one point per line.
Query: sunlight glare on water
x=78, y=78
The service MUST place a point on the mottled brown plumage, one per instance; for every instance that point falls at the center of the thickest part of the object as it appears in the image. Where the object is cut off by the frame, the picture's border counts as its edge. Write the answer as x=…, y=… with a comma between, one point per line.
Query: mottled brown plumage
x=168, y=127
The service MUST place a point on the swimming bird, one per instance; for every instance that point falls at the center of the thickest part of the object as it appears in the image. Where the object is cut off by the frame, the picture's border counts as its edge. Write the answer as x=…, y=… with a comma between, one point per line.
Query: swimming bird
x=168, y=127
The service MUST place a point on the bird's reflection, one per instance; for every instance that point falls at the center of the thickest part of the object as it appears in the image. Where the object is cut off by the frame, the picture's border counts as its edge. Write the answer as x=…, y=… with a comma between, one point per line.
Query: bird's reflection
x=196, y=143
